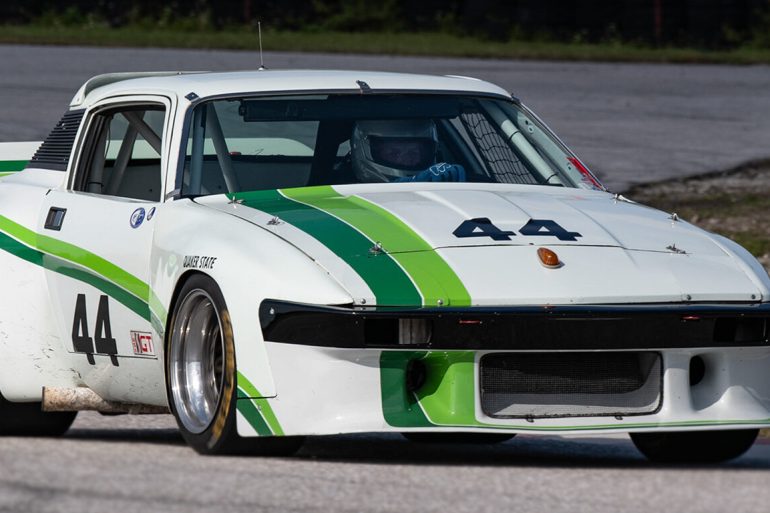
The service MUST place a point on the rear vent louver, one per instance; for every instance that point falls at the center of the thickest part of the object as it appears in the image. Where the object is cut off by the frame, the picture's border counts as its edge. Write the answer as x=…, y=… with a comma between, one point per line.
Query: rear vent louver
x=55, y=151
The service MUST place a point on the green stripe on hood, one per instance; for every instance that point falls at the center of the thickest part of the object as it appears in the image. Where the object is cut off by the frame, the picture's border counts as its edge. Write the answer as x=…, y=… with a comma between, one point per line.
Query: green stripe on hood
x=432, y=275
x=387, y=280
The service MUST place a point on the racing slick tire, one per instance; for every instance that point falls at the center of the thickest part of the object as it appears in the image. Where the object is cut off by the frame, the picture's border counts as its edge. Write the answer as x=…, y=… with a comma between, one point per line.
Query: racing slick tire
x=201, y=375
x=694, y=446
x=458, y=438
x=28, y=419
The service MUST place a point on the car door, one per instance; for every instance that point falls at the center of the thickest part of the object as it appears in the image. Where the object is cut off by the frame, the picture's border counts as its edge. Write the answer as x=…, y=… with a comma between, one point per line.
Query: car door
x=99, y=231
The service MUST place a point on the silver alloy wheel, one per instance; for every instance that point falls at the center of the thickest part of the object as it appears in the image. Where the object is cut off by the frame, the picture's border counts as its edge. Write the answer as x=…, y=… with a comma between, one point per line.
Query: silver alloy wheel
x=196, y=361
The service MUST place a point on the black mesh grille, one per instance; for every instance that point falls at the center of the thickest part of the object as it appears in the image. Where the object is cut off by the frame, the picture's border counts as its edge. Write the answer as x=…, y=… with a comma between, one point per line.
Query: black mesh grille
x=503, y=162
x=55, y=151
x=570, y=384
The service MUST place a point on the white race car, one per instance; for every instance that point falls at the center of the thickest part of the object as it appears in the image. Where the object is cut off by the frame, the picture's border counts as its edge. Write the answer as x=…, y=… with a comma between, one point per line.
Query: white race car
x=275, y=254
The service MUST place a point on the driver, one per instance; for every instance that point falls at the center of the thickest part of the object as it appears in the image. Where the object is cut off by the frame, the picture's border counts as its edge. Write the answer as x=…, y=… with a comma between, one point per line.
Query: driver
x=399, y=151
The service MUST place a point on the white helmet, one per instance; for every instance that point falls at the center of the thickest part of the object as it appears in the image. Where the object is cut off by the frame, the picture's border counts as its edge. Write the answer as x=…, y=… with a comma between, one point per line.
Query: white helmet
x=384, y=151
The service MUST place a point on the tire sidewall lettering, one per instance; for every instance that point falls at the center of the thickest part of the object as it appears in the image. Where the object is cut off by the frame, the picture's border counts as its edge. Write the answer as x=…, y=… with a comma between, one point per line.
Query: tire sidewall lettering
x=219, y=424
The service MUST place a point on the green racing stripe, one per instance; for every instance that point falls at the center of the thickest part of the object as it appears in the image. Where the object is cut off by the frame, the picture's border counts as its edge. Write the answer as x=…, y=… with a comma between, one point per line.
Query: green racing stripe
x=389, y=283
x=82, y=265
x=249, y=410
x=436, y=281
x=77, y=255
x=11, y=166
x=448, y=397
x=407, y=272
x=256, y=409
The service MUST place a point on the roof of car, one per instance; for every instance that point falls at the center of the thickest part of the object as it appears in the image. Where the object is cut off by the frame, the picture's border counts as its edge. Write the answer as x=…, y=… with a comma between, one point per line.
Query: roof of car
x=207, y=84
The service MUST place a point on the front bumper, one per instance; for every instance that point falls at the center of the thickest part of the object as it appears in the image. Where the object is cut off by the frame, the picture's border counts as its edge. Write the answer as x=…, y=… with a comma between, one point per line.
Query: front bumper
x=523, y=328
x=331, y=379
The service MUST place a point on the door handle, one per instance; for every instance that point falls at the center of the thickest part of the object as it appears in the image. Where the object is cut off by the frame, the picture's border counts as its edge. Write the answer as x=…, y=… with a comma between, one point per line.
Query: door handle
x=55, y=218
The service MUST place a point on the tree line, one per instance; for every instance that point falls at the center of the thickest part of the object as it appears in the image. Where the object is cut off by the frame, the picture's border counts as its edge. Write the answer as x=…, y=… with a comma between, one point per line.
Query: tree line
x=683, y=22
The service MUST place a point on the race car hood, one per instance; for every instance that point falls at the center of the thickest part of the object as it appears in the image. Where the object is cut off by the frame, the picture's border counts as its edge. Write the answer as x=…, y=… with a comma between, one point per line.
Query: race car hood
x=476, y=244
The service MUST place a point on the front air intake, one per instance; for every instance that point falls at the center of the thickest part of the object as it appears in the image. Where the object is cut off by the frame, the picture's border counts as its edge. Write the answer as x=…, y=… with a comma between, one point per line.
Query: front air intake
x=567, y=384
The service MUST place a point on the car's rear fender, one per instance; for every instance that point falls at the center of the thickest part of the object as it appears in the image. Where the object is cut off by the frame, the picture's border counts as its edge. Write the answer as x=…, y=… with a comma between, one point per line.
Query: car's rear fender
x=29, y=336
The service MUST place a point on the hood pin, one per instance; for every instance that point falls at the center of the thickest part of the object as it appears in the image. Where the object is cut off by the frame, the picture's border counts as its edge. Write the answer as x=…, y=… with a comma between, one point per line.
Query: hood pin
x=619, y=197
x=676, y=250
x=274, y=222
x=376, y=249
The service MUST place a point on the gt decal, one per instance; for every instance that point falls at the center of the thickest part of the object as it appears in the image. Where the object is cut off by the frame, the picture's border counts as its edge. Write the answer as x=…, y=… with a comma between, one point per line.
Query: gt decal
x=483, y=227
x=102, y=343
x=142, y=344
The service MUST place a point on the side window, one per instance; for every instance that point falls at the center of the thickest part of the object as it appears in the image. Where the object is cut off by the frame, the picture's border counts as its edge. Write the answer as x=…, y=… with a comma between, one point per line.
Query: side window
x=122, y=153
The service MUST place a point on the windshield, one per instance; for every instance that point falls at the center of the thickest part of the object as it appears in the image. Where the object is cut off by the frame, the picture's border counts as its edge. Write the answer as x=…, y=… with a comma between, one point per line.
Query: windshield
x=248, y=144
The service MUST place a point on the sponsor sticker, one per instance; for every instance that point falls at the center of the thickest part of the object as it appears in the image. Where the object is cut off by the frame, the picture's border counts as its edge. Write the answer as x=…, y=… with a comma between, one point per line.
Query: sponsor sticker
x=151, y=213
x=199, y=262
x=142, y=343
x=137, y=218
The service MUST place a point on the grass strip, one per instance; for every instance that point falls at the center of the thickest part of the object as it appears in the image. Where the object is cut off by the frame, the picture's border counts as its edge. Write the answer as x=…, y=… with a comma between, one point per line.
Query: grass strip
x=425, y=43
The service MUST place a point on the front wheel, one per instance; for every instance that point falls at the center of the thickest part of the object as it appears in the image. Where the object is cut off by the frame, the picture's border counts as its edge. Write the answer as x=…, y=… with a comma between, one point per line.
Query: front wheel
x=201, y=375
x=694, y=446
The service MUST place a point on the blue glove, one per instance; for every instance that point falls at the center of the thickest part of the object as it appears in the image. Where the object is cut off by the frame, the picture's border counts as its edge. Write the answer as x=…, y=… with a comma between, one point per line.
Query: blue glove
x=441, y=172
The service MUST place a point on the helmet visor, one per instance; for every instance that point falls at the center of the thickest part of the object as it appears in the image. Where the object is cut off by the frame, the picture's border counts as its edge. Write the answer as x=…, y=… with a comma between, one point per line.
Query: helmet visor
x=409, y=153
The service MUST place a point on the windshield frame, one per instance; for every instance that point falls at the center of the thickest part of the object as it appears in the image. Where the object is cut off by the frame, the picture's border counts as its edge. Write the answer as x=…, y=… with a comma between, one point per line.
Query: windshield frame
x=178, y=191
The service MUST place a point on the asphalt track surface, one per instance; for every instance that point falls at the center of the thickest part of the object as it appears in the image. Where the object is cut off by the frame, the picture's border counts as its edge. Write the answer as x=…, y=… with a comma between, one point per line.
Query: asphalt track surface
x=124, y=464
x=631, y=123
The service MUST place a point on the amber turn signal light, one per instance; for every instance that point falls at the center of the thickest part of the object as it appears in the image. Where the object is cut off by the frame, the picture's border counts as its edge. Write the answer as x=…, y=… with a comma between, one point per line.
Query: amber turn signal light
x=548, y=258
